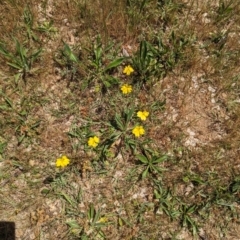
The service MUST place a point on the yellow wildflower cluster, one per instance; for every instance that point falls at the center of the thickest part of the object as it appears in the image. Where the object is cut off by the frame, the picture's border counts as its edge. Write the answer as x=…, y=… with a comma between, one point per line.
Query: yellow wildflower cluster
x=143, y=115
x=62, y=162
x=126, y=88
x=138, y=131
x=93, y=141
x=128, y=70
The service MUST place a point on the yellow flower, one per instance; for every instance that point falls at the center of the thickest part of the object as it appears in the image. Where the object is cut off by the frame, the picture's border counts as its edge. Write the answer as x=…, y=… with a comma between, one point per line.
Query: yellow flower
x=138, y=131
x=126, y=88
x=93, y=141
x=143, y=115
x=62, y=162
x=128, y=70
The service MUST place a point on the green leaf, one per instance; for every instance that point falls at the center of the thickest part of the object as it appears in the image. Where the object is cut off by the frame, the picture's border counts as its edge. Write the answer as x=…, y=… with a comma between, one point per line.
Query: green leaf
x=142, y=158
x=17, y=164
x=119, y=122
x=110, y=80
x=3, y=107
x=161, y=159
x=45, y=191
x=20, y=139
x=145, y=173
x=157, y=195
x=2, y=147
x=107, y=84
x=73, y=224
x=69, y=200
x=91, y=212
x=142, y=5
x=35, y=55
x=235, y=187
x=143, y=51
x=96, y=218
x=191, y=209
x=4, y=52
x=129, y=115
x=98, y=52
x=22, y=52
x=68, y=53
x=17, y=77
x=114, y=63
x=130, y=143
x=15, y=66
x=155, y=168
x=9, y=102
x=114, y=136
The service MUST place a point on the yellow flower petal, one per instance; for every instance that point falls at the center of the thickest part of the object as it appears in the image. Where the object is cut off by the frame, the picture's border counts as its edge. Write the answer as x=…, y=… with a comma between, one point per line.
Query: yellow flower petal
x=62, y=162
x=128, y=70
x=96, y=139
x=126, y=88
x=93, y=141
x=143, y=115
x=138, y=131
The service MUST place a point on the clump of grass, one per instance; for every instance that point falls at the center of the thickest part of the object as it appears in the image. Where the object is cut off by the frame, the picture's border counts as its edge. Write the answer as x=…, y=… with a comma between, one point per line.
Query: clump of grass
x=21, y=60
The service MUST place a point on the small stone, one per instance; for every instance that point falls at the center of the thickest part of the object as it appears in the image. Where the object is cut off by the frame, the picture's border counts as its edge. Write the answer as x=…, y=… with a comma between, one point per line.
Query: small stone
x=213, y=100
x=31, y=163
x=211, y=89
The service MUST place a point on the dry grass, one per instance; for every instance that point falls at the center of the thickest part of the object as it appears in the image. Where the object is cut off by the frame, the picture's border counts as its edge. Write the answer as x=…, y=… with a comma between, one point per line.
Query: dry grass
x=52, y=102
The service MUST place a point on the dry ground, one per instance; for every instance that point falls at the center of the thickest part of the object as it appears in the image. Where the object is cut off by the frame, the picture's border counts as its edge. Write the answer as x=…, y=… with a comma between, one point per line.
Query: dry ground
x=51, y=109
